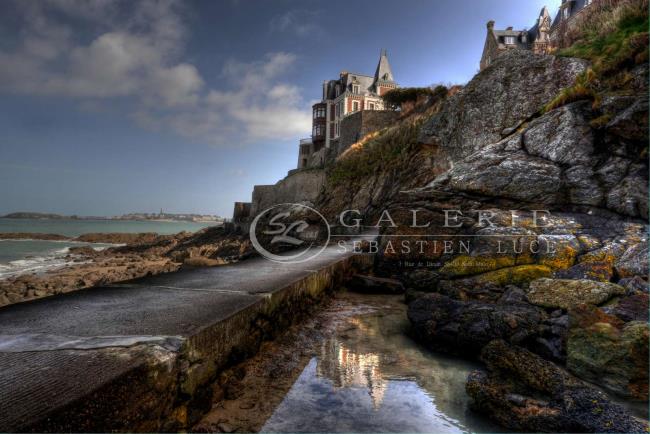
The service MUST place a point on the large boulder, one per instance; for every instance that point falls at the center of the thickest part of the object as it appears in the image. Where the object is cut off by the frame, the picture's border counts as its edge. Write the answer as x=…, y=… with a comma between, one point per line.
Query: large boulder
x=631, y=308
x=634, y=262
x=465, y=327
x=556, y=160
x=604, y=349
x=567, y=294
x=501, y=97
x=524, y=392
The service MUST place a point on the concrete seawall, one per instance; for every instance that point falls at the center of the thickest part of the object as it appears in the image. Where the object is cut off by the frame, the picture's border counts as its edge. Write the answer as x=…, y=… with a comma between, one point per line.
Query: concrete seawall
x=142, y=356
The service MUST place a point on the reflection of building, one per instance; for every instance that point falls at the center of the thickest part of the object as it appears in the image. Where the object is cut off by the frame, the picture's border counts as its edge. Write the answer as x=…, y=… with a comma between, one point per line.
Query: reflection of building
x=540, y=39
x=347, y=368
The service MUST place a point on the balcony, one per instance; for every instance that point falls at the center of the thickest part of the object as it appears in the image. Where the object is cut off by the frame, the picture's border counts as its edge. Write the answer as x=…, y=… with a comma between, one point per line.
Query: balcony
x=305, y=141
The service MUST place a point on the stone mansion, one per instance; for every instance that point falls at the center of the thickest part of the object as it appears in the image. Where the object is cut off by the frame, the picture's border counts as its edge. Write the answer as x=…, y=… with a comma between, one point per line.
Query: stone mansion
x=350, y=94
x=541, y=38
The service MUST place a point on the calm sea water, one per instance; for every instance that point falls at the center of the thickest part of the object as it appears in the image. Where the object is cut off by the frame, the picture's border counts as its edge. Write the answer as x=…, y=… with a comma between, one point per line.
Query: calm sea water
x=36, y=256
x=73, y=228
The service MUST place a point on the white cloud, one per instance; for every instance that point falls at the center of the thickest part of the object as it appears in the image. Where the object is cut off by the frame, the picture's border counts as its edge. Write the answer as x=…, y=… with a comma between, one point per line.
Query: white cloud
x=137, y=53
x=300, y=22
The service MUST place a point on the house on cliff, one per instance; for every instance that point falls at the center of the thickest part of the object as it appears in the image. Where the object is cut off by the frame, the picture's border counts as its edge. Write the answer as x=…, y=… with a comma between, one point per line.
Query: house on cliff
x=351, y=95
x=543, y=36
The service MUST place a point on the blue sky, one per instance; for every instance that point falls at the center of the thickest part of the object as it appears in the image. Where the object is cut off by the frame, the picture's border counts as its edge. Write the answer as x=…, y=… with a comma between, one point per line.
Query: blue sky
x=114, y=106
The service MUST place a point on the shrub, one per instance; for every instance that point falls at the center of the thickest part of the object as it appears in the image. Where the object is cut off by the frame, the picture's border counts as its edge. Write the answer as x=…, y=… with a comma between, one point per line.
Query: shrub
x=397, y=97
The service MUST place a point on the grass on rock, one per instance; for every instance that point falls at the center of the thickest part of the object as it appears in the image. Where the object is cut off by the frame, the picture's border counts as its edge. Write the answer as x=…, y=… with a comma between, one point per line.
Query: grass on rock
x=613, y=36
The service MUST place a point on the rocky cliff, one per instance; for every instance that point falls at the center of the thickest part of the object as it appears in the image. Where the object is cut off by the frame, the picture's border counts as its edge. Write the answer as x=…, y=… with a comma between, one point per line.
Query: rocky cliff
x=561, y=295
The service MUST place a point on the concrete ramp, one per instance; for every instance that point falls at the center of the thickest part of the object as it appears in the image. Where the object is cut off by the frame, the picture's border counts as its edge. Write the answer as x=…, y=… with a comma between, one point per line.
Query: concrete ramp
x=140, y=356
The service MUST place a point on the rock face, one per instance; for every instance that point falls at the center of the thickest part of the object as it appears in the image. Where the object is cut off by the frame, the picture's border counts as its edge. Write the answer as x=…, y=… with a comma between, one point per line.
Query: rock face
x=513, y=89
x=465, y=327
x=603, y=349
x=567, y=294
x=524, y=392
x=557, y=160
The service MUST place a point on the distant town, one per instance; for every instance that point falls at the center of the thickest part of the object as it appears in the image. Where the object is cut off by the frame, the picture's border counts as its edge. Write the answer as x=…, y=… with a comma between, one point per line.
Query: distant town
x=160, y=216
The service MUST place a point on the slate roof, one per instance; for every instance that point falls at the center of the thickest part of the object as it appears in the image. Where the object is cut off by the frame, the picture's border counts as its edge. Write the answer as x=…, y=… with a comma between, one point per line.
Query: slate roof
x=366, y=83
x=383, y=71
x=574, y=7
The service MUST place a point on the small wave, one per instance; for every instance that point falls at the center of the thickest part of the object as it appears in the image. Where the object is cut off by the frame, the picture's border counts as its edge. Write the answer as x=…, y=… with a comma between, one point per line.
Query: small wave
x=37, y=264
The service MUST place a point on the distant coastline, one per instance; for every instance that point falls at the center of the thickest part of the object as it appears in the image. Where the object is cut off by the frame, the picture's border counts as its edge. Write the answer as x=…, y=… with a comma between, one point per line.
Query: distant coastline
x=156, y=217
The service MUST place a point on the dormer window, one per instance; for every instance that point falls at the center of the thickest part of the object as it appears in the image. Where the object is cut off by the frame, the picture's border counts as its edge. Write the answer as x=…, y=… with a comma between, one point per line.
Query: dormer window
x=355, y=88
x=566, y=13
x=509, y=40
x=524, y=38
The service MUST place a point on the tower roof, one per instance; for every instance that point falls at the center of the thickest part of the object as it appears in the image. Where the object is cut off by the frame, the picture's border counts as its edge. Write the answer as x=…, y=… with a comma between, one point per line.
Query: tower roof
x=383, y=72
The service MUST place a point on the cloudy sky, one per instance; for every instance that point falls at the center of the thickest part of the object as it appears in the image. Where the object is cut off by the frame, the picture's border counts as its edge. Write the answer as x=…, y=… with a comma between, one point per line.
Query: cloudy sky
x=115, y=106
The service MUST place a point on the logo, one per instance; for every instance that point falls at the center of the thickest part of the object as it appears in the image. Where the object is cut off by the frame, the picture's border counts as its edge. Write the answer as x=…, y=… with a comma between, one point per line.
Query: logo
x=290, y=233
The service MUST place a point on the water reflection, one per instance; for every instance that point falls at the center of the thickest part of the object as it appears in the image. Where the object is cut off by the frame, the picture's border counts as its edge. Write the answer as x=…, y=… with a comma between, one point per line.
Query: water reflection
x=371, y=377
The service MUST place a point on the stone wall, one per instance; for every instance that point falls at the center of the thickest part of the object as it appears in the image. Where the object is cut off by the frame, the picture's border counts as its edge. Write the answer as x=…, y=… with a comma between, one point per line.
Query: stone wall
x=241, y=212
x=357, y=125
x=299, y=187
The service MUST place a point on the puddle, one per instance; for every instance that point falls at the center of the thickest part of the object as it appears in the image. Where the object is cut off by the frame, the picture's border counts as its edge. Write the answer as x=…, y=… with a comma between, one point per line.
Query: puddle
x=371, y=377
x=351, y=368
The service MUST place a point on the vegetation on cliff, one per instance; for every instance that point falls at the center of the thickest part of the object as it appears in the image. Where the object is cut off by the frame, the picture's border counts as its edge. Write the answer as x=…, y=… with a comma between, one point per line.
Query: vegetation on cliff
x=391, y=146
x=411, y=95
x=613, y=36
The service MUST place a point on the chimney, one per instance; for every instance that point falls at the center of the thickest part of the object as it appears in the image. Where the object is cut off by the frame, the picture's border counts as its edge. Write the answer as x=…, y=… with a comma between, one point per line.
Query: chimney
x=490, y=25
x=509, y=28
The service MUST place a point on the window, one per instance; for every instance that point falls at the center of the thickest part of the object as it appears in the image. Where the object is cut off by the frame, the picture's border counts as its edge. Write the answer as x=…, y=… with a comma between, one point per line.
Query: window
x=319, y=112
x=355, y=106
x=566, y=13
x=371, y=106
x=338, y=110
x=355, y=88
x=509, y=40
x=523, y=38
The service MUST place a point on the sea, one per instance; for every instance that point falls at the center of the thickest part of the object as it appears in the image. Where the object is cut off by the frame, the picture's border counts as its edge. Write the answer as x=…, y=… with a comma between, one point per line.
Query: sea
x=37, y=256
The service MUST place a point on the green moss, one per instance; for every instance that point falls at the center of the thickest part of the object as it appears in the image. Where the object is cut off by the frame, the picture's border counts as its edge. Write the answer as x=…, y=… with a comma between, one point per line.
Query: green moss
x=519, y=275
x=465, y=265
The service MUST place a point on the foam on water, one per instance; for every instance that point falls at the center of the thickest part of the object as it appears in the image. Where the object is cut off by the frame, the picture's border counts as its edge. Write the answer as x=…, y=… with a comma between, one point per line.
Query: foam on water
x=18, y=257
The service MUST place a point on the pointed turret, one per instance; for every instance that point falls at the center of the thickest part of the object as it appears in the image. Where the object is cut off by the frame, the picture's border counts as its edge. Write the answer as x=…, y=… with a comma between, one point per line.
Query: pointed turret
x=383, y=73
x=544, y=20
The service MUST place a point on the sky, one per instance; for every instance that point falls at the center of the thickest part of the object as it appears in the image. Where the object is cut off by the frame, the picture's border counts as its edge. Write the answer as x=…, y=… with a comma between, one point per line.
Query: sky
x=116, y=106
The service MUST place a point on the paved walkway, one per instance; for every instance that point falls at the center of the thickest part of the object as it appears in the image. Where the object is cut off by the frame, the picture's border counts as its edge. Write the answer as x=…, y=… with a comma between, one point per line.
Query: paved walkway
x=59, y=349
